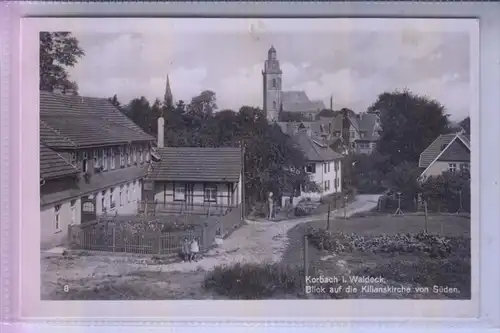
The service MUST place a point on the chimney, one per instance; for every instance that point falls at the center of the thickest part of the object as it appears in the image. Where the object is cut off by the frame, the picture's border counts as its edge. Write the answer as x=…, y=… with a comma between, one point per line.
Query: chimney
x=161, y=132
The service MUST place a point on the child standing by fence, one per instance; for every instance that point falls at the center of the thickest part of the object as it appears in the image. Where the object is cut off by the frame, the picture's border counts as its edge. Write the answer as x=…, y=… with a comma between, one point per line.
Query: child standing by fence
x=194, y=249
x=185, y=250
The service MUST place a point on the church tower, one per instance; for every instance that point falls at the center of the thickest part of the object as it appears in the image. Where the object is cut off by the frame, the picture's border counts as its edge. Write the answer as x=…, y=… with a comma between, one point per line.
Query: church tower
x=271, y=76
x=168, y=98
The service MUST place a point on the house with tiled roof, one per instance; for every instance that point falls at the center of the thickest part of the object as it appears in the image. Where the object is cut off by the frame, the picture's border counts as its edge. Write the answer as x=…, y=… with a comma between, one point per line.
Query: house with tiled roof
x=324, y=166
x=93, y=160
x=195, y=180
x=448, y=152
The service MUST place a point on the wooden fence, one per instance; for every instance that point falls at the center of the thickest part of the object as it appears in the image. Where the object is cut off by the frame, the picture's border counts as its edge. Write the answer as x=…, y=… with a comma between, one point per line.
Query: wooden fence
x=113, y=238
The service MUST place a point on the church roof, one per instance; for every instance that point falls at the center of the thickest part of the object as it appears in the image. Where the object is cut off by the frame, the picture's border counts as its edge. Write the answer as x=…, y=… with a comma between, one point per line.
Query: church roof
x=297, y=101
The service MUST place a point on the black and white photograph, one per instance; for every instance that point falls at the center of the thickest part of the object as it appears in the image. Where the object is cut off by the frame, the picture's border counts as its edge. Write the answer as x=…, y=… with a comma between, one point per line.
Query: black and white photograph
x=331, y=160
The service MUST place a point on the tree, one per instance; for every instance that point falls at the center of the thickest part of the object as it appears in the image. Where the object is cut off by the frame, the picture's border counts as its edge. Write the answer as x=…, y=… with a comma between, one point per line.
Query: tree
x=114, y=100
x=404, y=178
x=205, y=103
x=446, y=190
x=58, y=50
x=465, y=125
x=409, y=123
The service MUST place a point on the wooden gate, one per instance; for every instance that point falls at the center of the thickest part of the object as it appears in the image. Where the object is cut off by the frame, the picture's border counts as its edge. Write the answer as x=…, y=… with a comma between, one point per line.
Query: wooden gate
x=89, y=213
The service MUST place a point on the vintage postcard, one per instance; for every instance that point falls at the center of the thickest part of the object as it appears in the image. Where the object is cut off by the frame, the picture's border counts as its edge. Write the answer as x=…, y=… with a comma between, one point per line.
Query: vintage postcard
x=292, y=160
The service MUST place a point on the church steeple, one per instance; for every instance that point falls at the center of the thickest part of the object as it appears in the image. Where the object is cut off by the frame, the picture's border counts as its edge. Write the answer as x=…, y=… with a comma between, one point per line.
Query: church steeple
x=168, y=99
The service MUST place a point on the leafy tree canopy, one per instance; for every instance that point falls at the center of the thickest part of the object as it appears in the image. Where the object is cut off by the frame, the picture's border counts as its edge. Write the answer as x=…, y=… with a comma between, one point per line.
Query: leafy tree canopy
x=58, y=51
x=409, y=123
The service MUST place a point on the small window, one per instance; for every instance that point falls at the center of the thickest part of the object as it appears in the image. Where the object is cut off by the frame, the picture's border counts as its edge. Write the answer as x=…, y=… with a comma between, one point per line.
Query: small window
x=327, y=185
x=179, y=192
x=141, y=155
x=96, y=159
x=121, y=196
x=452, y=167
x=134, y=154
x=127, y=194
x=336, y=183
x=210, y=193
x=57, y=209
x=325, y=167
x=464, y=166
x=103, y=201
x=104, y=154
x=122, y=156
x=112, y=158
x=129, y=157
x=112, y=203
x=329, y=163
x=147, y=154
x=274, y=83
x=85, y=165
x=311, y=168
x=336, y=166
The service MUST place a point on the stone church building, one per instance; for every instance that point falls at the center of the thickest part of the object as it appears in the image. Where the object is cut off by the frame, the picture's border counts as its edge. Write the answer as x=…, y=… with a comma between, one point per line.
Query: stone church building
x=276, y=100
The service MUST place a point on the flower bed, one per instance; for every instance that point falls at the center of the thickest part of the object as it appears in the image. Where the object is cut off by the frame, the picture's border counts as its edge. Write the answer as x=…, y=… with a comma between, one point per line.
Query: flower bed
x=422, y=242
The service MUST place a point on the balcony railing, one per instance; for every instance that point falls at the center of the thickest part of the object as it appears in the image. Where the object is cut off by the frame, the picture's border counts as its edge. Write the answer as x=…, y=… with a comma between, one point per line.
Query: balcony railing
x=150, y=208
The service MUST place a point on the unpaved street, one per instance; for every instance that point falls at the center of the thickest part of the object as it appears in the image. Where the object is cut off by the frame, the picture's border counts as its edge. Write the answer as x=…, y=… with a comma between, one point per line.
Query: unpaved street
x=97, y=276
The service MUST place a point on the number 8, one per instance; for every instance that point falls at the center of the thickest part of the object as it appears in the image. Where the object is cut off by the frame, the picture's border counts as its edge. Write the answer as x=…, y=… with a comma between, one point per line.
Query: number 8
x=66, y=288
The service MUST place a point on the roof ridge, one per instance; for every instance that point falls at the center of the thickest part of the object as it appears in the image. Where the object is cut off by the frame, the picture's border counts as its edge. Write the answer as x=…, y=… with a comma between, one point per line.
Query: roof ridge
x=428, y=147
x=58, y=133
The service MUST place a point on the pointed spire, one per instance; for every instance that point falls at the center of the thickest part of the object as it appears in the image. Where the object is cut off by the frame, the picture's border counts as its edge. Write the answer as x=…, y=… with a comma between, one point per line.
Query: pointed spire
x=168, y=99
x=331, y=102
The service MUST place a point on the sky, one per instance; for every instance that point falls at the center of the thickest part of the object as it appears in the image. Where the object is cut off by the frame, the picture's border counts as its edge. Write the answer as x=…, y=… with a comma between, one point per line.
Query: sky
x=352, y=60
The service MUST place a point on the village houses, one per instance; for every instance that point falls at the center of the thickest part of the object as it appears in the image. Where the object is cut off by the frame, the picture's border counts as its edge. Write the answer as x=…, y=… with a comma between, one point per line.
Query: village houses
x=448, y=152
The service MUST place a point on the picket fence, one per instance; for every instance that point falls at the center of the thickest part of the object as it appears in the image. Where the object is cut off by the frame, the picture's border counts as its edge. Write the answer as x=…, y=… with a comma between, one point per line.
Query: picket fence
x=116, y=239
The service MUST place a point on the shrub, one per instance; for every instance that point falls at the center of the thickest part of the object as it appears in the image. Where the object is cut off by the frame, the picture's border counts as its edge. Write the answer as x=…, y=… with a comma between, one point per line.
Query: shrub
x=251, y=281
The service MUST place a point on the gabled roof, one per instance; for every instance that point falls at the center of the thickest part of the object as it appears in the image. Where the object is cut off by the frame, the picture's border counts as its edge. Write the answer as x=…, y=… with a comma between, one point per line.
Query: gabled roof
x=69, y=121
x=54, y=165
x=197, y=164
x=314, y=148
x=439, y=147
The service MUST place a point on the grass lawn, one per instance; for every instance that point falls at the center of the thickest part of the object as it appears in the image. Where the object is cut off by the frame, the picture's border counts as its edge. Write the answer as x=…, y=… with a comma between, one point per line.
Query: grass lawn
x=399, y=269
